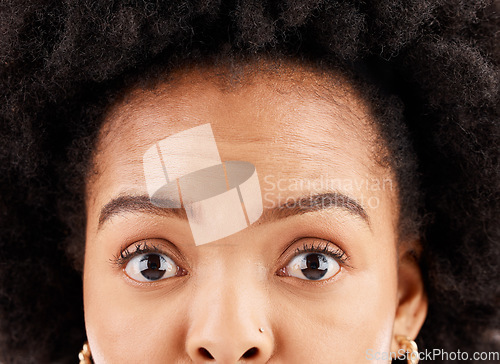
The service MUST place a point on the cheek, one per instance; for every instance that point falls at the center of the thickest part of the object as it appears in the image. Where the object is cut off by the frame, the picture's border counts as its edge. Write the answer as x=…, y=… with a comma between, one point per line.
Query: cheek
x=368, y=318
x=346, y=324
x=125, y=326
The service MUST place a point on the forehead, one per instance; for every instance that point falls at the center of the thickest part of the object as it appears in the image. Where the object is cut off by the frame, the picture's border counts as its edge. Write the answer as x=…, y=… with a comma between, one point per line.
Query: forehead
x=297, y=117
x=294, y=126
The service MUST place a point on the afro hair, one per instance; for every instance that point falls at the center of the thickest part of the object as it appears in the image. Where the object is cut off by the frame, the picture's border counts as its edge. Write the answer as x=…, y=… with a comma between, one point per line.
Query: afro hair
x=62, y=63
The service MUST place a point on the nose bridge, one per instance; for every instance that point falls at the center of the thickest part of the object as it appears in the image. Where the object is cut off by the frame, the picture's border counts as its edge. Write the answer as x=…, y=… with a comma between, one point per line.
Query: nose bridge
x=228, y=316
x=228, y=298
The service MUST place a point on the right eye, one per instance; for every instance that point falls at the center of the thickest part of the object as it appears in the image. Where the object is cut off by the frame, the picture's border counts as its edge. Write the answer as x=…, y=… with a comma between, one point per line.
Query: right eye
x=151, y=267
x=313, y=266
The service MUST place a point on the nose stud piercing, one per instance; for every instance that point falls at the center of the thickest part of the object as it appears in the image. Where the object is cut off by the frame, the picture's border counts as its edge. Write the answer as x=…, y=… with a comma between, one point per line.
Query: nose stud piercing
x=261, y=329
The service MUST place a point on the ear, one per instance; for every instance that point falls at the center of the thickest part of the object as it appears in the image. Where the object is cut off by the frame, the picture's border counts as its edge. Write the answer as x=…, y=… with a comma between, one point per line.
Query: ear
x=412, y=299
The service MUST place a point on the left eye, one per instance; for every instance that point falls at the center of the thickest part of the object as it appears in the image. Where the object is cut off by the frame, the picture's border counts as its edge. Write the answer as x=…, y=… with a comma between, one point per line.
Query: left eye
x=312, y=266
x=151, y=267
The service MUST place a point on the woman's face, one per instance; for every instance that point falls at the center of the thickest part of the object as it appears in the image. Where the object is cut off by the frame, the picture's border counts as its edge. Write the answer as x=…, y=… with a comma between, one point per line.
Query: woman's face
x=319, y=278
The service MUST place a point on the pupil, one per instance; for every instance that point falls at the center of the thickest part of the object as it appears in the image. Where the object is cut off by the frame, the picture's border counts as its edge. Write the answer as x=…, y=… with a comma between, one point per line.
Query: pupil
x=313, y=269
x=154, y=271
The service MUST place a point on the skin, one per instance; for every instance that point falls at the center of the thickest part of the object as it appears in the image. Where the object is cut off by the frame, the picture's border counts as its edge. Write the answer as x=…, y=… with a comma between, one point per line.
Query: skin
x=288, y=127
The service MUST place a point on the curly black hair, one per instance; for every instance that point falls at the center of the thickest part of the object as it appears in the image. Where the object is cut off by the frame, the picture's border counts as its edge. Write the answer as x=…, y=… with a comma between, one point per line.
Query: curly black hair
x=434, y=66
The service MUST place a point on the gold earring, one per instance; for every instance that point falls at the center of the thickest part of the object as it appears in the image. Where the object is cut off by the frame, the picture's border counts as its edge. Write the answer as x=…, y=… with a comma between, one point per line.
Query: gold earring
x=85, y=355
x=410, y=347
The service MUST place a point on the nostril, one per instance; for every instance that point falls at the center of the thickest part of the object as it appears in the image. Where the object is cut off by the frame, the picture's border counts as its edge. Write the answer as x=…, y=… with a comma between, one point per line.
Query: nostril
x=250, y=353
x=205, y=353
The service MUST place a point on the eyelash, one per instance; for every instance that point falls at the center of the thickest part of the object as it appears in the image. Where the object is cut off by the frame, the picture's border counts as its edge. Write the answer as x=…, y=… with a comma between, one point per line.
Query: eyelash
x=139, y=248
x=145, y=247
x=328, y=249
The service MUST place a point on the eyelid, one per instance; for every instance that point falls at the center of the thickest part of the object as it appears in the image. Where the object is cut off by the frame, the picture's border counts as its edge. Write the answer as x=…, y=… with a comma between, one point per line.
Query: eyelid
x=334, y=252
x=322, y=246
x=148, y=246
x=133, y=250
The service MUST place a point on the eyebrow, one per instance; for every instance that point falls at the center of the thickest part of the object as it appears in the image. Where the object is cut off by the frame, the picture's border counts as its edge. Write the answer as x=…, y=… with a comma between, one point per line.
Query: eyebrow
x=299, y=206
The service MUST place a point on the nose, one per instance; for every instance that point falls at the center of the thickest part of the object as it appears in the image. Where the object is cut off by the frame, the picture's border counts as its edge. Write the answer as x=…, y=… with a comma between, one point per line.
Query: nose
x=228, y=325
x=230, y=353
x=223, y=348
